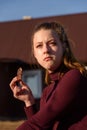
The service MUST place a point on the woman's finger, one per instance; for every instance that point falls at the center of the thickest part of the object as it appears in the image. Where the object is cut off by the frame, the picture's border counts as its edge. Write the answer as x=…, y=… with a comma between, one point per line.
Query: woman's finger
x=13, y=83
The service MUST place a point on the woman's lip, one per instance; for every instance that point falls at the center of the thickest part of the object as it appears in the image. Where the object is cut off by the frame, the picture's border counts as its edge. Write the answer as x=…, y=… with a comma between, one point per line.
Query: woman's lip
x=47, y=58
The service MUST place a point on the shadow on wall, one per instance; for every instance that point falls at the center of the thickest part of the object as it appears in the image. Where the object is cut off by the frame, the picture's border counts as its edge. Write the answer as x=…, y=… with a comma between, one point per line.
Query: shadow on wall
x=10, y=107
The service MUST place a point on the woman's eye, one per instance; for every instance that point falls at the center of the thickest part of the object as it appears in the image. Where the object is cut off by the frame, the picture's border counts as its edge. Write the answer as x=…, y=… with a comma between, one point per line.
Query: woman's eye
x=53, y=43
x=38, y=46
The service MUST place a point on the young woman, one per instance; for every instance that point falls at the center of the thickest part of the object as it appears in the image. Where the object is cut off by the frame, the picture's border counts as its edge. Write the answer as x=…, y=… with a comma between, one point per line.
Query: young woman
x=63, y=104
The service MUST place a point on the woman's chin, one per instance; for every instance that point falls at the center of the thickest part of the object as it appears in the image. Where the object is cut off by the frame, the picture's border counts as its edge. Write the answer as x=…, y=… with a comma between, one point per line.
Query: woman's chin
x=50, y=69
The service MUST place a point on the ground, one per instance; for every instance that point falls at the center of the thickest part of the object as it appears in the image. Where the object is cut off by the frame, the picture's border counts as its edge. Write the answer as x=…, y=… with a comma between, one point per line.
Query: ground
x=10, y=125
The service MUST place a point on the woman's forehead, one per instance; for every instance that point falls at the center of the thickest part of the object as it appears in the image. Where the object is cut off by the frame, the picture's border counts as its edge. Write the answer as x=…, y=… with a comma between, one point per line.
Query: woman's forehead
x=45, y=32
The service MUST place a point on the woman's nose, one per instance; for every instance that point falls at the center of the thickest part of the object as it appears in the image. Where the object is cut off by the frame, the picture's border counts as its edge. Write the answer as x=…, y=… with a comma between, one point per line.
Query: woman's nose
x=46, y=49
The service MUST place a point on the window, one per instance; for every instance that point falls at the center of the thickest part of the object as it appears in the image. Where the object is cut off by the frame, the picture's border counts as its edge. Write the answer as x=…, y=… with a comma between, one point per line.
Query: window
x=33, y=78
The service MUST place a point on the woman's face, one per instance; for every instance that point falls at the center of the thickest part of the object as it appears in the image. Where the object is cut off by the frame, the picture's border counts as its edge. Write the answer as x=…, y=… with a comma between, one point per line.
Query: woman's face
x=48, y=49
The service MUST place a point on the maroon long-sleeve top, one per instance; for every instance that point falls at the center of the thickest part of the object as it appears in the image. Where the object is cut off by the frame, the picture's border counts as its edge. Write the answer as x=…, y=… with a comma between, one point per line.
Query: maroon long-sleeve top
x=63, y=105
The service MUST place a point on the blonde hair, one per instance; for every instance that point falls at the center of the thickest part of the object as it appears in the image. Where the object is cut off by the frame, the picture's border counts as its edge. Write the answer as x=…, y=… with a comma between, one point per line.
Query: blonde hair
x=69, y=61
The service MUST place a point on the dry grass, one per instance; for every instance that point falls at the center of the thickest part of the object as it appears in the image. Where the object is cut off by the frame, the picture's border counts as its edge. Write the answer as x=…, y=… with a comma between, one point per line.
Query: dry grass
x=10, y=125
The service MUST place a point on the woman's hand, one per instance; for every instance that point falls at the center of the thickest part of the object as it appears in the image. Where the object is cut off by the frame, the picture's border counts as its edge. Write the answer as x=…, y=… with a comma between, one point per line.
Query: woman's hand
x=22, y=92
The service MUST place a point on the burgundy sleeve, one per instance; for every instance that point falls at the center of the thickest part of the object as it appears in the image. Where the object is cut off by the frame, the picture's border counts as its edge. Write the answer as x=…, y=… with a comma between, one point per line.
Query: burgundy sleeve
x=30, y=111
x=63, y=95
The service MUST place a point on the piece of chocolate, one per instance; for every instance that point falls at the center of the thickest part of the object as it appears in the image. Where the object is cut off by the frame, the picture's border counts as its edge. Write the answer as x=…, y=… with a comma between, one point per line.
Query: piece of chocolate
x=19, y=73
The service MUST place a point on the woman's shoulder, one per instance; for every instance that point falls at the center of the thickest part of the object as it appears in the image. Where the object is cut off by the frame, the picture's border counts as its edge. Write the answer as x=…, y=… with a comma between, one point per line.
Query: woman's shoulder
x=74, y=75
x=73, y=72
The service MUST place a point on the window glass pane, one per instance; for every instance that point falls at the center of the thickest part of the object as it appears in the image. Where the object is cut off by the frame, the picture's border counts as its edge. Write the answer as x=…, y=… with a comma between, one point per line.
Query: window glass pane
x=33, y=78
